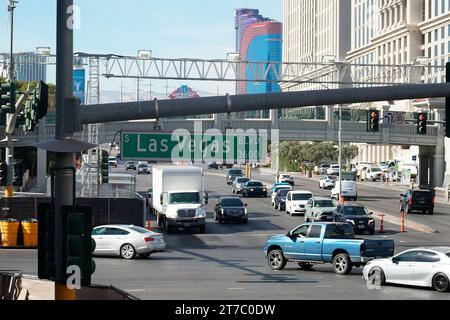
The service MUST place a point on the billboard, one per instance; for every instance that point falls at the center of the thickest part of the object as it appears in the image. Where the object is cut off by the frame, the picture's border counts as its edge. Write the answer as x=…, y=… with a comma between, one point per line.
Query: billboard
x=79, y=87
x=183, y=92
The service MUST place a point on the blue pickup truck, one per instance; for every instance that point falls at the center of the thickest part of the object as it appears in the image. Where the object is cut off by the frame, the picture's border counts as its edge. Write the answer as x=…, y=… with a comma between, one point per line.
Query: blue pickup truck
x=318, y=243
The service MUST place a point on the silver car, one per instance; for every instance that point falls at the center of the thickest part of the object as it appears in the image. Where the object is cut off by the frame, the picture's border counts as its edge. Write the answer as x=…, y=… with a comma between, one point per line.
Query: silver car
x=127, y=241
x=238, y=183
x=320, y=209
x=327, y=182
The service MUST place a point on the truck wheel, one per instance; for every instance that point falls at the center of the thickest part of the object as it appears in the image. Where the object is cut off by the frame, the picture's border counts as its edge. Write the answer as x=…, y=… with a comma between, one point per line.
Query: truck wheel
x=276, y=260
x=342, y=264
x=376, y=276
x=305, y=266
x=441, y=283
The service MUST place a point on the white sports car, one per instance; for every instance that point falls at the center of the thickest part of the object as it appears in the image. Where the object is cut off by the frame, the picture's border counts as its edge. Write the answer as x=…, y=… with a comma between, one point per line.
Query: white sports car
x=423, y=267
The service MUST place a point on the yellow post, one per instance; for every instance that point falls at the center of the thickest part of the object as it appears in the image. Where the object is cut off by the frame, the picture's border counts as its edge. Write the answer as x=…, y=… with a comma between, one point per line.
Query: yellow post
x=62, y=293
x=9, y=192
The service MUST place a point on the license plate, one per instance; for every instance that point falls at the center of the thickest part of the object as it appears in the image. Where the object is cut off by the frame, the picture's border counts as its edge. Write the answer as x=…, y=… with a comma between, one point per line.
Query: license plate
x=361, y=227
x=187, y=224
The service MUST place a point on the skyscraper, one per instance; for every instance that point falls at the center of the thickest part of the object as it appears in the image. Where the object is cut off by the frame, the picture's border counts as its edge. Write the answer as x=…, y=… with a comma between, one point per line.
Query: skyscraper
x=258, y=39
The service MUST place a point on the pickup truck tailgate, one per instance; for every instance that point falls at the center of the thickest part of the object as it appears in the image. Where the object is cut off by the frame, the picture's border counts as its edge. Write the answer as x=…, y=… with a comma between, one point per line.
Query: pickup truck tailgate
x=377, y=248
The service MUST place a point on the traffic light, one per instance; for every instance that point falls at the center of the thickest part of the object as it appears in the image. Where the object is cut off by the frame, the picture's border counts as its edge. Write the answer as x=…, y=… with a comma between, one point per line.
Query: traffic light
x=35, y=108
x=8, y=97
x=3, y=174
x=41, y=96
x=79, y=242
x=373, y=121
x=104, y=166
x=422, y=120
x=18, y=174
x=46, y=242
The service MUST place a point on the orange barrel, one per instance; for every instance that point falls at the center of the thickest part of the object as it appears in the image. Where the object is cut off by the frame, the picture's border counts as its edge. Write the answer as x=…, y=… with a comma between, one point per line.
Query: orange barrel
x=30, y=233
x=9, y=229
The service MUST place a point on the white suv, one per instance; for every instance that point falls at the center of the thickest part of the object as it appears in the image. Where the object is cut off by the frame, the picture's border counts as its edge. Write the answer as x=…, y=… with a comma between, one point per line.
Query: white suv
x=296, y=202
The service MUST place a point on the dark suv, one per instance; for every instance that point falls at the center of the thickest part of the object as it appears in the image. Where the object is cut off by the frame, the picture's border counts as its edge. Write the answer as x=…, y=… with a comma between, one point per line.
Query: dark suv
x=280, y=199
x=230, y=209
x=417, y=200
x=356, y=215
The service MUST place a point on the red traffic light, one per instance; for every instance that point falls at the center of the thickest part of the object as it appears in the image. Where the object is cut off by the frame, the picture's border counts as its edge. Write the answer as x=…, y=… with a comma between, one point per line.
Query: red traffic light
x=374, y=114
x=422, y=117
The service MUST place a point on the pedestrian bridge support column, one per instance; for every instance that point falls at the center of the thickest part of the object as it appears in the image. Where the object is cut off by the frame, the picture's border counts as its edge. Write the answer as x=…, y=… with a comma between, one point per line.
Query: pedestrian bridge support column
x=431, y=165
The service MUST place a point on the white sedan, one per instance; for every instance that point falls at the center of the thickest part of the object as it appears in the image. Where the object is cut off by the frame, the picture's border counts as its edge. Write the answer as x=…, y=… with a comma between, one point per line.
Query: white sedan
x=127, y=241
x=415, y=267
x=327, y=182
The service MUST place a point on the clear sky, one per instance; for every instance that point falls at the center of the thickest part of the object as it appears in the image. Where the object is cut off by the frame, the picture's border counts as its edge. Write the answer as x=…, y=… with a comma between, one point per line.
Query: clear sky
x=170, y=28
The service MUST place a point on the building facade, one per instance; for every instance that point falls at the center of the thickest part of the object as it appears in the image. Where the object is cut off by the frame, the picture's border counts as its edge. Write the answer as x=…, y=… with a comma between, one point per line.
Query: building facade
x=313, y=30
x=258, y=39
x=29, y=66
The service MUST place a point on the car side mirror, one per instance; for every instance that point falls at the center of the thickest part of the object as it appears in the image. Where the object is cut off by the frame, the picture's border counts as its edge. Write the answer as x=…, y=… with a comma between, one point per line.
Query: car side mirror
x=246, y=205
x=395, y=260
x=371, y=213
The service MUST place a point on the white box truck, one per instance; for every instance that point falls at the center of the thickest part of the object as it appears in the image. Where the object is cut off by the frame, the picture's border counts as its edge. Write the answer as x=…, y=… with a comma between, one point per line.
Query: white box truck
x=178, y=197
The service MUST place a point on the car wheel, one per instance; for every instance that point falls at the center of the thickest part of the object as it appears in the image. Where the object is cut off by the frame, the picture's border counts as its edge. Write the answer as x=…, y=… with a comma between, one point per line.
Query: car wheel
x=280, y=208
x=244, y=221
x=342, y=264
x=376, y=276
x=431, y=212
x=127, y=251
x=202, y=229
x=145, y=255
x=276, y=260
x=440, y=282
x=372, y=232
x=305, y=266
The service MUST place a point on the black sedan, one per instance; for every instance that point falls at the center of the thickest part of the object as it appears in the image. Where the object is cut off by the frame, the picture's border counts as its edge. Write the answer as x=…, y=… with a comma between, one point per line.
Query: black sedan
x=279, y=203
x=214, y=165
x=356, y=215
x=254, y=189
x=417, y=200
x=230, y=209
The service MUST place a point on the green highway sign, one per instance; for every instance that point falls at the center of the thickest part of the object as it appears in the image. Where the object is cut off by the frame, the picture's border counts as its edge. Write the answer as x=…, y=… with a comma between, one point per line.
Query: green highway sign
x=238, y=147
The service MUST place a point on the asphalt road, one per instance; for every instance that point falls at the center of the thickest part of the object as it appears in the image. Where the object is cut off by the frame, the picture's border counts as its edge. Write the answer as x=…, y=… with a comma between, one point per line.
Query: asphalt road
x=227, y=262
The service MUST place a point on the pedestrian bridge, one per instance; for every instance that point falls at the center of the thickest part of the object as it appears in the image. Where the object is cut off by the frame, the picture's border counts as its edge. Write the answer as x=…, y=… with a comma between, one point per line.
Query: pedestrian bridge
x=289, y=130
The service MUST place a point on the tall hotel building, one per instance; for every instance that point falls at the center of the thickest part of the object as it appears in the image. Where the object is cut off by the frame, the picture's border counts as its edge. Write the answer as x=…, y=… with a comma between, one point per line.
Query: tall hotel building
x=29, y=66
x=373, y=32
x=258, y=39
x=314, y=29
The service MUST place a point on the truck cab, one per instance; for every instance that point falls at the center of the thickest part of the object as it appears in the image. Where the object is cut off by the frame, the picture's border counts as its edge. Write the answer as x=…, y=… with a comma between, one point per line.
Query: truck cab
x=179, y=197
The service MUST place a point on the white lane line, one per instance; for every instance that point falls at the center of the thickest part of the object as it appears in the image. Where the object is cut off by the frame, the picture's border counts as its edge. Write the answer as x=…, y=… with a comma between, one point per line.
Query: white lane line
x=236, y=288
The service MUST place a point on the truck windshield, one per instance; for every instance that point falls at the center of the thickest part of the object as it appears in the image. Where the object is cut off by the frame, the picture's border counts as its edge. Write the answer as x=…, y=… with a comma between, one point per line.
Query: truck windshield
x=184, y=198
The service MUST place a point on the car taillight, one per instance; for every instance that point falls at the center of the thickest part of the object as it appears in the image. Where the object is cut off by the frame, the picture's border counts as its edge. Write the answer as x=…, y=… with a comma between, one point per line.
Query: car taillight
x=149, y=239
x=363, y=248
x=434, y=200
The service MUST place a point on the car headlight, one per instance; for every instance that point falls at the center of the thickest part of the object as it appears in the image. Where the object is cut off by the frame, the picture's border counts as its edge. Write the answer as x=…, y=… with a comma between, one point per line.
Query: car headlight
x=245, y=211
x=264, y=190
x=252, y=189
x=223, y=211
x=371, y=221
x=351, y=221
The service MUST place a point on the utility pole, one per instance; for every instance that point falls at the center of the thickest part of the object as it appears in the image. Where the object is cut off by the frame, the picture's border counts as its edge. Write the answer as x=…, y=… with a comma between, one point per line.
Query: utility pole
x=340, y=152
x=9, y=155
x=63, y=179
x=138, y=89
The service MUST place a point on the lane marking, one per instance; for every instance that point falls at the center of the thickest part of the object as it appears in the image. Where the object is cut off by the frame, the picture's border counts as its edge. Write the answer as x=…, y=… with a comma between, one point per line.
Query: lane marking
x=236, y=288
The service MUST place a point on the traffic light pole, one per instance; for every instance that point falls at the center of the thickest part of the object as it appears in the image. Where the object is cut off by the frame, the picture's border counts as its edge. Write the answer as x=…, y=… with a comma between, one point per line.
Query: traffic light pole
x=9, y=154
x=63, y=178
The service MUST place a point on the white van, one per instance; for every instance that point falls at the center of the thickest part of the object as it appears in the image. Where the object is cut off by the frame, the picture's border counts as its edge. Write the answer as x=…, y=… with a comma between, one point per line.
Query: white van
x=296, y=202
x=349, y=190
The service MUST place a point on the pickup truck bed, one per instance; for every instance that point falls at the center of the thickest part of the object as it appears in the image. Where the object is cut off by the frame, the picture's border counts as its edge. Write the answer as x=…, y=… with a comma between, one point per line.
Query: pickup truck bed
x=318, y=243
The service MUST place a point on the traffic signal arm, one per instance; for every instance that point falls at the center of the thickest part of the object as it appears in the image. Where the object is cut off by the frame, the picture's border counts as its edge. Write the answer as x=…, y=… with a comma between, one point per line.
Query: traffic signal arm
x=11, y=125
